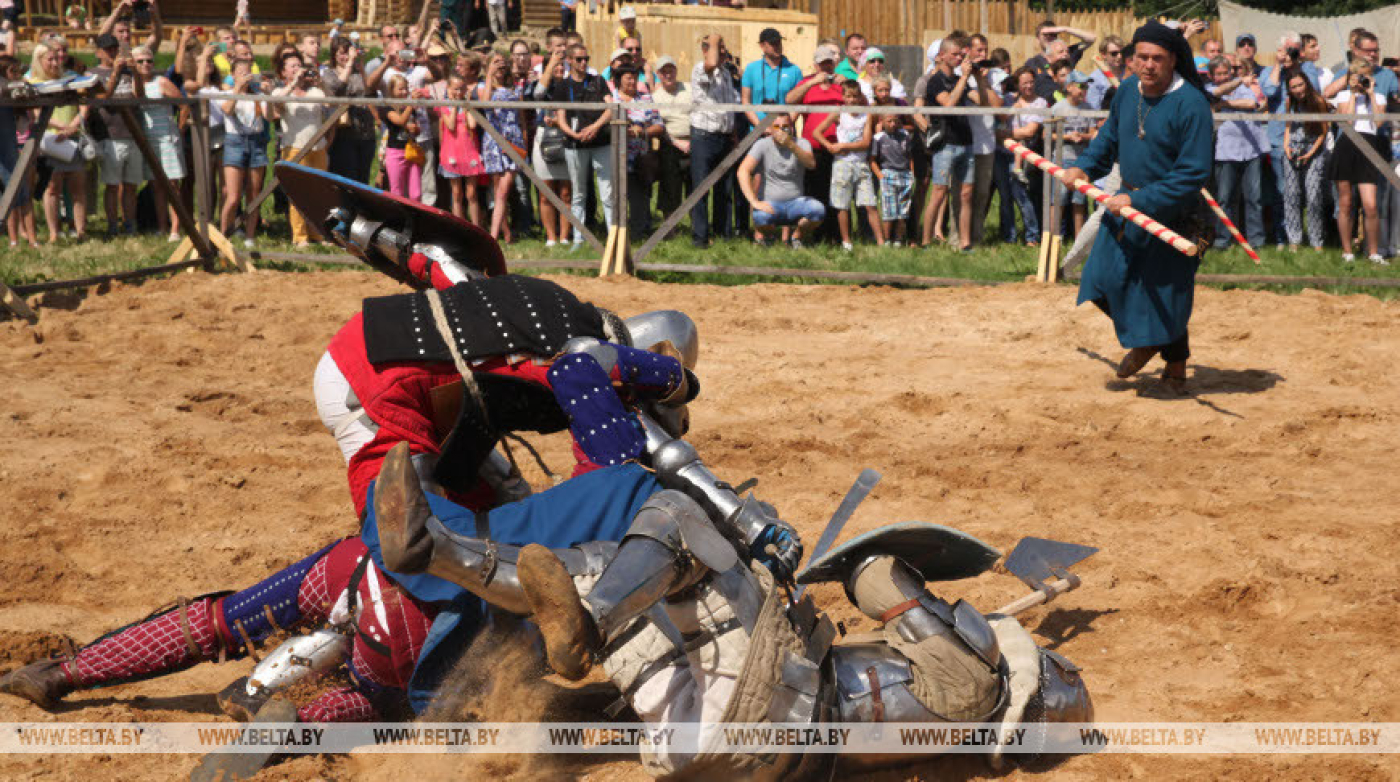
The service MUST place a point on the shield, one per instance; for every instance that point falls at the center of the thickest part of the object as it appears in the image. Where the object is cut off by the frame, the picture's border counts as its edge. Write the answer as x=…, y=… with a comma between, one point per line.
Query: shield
x=318, y=194
x=939, y=553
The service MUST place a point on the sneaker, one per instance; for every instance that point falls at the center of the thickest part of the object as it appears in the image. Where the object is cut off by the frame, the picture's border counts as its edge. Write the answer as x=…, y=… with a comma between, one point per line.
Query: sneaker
x=1348, y=258
x=897, y=244
x=796, y=244
x=550, y=243
x=847, y=246
x=301, y=245
x=1379, y=261
x=1280, y=247
x=577, y=245
x=248, y=244
x=763, y=242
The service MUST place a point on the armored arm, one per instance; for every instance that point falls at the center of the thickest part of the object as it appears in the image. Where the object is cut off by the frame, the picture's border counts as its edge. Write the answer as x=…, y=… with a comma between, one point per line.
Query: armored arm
x=746, y=520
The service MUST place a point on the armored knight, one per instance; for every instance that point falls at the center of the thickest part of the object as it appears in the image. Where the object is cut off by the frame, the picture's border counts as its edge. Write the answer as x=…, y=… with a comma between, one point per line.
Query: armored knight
x=692, y=628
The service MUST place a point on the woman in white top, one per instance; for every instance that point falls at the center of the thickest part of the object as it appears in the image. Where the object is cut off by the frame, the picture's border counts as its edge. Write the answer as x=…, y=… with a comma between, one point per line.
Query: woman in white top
x=1349, y=167
x=300, y=121
x=1021, y=181
x=163, y=133
x=245, y=149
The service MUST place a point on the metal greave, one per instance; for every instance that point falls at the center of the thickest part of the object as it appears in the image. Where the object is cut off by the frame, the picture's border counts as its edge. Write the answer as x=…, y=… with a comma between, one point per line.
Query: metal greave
x=644, y=572
x=487, y=569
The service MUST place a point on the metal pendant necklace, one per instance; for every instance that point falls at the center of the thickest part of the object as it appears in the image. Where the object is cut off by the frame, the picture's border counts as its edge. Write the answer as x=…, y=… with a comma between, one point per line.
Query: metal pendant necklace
x=1142, y=115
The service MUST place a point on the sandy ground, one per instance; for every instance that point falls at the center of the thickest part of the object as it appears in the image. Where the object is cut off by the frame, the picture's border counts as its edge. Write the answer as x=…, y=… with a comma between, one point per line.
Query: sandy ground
x=161, y=440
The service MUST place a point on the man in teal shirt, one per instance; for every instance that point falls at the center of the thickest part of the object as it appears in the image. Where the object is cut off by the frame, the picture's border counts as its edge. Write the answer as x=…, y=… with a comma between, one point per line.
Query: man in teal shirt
x=770, y=78
x=855, y=52
x=1159, y=131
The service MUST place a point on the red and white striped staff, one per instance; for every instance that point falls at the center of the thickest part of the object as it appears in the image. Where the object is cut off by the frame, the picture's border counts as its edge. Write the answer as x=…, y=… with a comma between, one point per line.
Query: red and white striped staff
x=1139, y=219
x=1229, y=225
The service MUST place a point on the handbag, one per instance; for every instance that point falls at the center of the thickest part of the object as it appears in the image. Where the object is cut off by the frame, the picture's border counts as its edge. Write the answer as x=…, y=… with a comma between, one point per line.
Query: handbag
x=936, y=135
x=63, y=151
x=552, y=144
x=413, y=154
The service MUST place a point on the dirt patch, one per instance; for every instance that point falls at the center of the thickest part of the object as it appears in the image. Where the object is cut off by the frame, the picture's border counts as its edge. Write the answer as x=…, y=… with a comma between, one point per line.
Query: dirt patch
x=161, y=441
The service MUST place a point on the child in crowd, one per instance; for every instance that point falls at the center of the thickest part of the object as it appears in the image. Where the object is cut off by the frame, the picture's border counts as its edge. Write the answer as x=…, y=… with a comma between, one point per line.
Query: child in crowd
x=890, y=161
x=21, y=217
x=1079, y=131
x=403, y=163
x=1059, y=72
x=850, y=169
x=459, y=160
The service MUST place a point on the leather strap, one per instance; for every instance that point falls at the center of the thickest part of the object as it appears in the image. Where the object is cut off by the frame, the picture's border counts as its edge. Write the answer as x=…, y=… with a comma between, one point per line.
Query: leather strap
x=877, y=713
x=899, y=609
x=184, y=614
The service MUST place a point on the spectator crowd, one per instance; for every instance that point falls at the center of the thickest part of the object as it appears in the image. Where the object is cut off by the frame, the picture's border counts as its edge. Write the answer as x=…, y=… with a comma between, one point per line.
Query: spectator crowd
x=847, y=177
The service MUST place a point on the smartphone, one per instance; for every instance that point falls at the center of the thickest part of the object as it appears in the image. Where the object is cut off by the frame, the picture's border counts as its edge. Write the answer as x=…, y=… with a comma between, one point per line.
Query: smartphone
x=983, y=65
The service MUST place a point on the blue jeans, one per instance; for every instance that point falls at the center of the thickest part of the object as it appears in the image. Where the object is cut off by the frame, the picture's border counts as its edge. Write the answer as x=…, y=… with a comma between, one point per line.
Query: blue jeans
x=584, y=163
x=242, y=151
x=952, y=163
x=1245, y=179
x=789, y=212
x=706, y=151
x=1273, y=196
x=1013, y=195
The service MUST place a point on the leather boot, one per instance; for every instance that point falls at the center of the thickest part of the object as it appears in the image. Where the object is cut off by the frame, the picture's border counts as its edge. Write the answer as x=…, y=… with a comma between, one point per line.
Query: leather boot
x=401, y=511
x=1134, y=361
x=43, y=683
x=570, y=636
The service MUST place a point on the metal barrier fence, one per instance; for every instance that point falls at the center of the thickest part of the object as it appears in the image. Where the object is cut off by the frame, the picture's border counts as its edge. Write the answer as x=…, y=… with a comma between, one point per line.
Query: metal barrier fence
x=210, y=245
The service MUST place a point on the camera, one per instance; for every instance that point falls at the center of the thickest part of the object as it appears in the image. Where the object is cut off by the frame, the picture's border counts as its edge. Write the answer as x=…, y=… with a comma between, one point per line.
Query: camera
x=1364, y=82
x=983, y=65
x=141, y=11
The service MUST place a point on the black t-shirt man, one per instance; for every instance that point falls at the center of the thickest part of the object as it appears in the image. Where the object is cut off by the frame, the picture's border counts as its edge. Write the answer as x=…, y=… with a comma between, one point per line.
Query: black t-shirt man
x=959, y=129
x=591, y=90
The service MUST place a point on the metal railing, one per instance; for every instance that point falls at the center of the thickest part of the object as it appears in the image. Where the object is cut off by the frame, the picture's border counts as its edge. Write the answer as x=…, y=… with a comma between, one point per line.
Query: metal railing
x=196, y=224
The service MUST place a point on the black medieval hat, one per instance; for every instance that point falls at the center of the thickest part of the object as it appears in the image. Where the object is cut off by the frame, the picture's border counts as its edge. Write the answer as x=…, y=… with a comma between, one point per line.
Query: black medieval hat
x=1154, y=32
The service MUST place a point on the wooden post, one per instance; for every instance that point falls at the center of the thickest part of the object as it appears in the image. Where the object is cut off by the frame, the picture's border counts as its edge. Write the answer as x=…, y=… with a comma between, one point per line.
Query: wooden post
x=199, y=132
x=982, y=15
x=24, y=166
x=1045, y=205
x=1010, y=17
x=271, y=183
x=182, y=212
x=1052, y=265
x=947, y=17
x=617, y=256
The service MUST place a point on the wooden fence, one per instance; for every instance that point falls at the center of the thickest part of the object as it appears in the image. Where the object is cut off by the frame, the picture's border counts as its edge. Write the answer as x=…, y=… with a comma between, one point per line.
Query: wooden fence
x=902, y=22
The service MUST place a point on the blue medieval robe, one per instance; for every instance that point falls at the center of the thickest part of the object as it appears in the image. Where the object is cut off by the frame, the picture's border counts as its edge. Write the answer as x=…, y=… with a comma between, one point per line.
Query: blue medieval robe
x=1147, y=286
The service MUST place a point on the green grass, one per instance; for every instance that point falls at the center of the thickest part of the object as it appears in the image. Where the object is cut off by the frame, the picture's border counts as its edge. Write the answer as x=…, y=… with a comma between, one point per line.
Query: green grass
x=993, y=263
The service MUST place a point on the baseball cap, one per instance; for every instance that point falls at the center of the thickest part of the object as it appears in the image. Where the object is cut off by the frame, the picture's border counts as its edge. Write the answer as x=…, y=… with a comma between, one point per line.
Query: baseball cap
x=105, y=41
x=873, y=53
x=664, y=60
x=770, y=35
x=1078, y=77
x=1240, y=39
x=438, y=50
x=619, y=53
x=627, y=12
x=826, y=52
